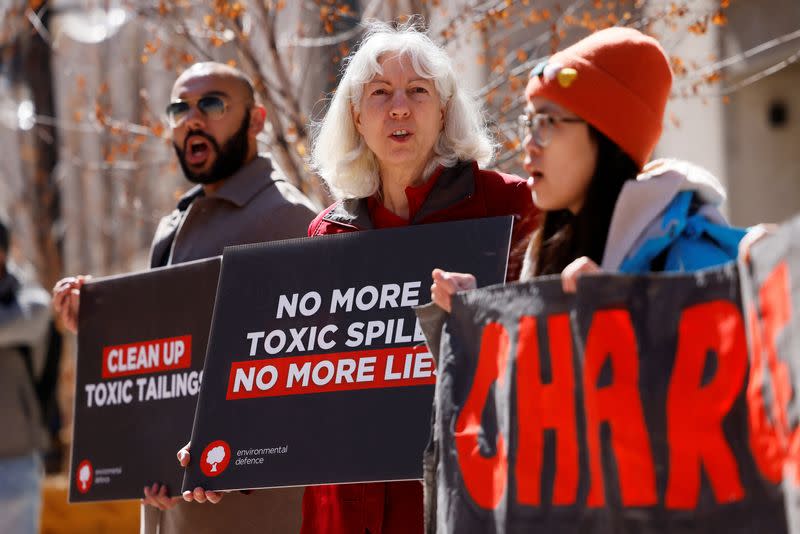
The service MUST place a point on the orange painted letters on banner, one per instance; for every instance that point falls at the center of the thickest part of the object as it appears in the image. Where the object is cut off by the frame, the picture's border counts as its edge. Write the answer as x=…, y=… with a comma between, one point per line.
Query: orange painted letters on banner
x=771, y=439
x=485, y=478
x=541, y=406
x=697, y=441
x=611, y=336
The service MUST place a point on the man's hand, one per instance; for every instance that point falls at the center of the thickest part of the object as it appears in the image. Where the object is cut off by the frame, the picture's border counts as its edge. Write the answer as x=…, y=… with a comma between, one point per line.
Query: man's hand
x=66, y=300
x=156, y=495
x=579, y=267
x=199, y=494
x=445, y=284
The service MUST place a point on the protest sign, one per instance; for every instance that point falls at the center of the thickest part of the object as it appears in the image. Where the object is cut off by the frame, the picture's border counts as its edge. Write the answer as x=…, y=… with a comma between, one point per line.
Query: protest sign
x=621, y=408
x=317, y=371
x=771, y=291
x=141, y=346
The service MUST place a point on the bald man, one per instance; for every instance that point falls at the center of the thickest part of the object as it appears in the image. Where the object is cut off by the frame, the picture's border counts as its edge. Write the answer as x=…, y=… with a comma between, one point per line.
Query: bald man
x=238, y=198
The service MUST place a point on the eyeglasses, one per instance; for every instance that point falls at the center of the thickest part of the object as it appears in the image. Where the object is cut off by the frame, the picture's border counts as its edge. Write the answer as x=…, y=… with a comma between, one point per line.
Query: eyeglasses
x=211, y=106
x=541, y=126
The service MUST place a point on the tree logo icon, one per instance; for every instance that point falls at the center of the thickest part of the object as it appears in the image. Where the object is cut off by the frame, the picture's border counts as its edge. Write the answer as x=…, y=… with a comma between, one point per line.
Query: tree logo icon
x=84, y=476
x=215, y=458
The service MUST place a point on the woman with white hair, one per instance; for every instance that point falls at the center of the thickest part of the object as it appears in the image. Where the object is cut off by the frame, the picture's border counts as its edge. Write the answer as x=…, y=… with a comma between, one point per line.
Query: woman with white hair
x=401, y=143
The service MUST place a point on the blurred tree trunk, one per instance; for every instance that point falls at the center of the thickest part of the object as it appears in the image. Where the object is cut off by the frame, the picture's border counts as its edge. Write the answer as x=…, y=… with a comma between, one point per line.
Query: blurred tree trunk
x=41, y=189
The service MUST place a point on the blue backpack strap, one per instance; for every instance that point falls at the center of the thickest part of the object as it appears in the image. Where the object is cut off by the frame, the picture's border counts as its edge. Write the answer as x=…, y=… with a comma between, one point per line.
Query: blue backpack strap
x=689, y=240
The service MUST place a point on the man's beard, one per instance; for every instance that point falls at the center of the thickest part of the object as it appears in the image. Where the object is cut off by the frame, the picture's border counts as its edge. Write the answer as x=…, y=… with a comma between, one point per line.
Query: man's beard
x=230, y=158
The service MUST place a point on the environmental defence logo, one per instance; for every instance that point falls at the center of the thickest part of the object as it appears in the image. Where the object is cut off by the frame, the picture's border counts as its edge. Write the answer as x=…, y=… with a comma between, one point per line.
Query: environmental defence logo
x=84, y=476
x=215, y=458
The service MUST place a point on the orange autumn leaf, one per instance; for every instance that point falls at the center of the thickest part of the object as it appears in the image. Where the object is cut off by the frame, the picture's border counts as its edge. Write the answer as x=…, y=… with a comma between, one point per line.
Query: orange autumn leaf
x=678, y=67
x=522, y=55
x=719, y=18
x=99, y=114
x=151, y=47
x=698, y=28
x=235, y=11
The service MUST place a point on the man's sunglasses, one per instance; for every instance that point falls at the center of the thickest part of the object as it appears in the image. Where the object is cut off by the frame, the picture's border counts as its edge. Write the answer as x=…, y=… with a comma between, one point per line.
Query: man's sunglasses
x=211, y=106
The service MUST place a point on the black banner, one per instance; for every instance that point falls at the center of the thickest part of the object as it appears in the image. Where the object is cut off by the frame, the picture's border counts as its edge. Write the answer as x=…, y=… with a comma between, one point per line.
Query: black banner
x=141, y=347
x=772, y=298
x=622, y=408
x=317, y=371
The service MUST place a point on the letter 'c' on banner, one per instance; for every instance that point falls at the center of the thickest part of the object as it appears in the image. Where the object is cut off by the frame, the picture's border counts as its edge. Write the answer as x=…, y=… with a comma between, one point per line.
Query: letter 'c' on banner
x=485, y=478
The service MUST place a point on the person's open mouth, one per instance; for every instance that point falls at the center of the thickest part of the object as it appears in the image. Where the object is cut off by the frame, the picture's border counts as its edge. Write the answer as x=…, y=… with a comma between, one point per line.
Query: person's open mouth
x=400, y=135
x=197, y=150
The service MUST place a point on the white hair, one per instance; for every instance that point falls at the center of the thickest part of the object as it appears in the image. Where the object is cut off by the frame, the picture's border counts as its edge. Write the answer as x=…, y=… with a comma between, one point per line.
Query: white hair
x=341, y=156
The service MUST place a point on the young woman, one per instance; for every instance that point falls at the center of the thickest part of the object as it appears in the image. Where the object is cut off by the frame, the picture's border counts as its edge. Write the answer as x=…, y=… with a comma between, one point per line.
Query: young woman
x=594, y=115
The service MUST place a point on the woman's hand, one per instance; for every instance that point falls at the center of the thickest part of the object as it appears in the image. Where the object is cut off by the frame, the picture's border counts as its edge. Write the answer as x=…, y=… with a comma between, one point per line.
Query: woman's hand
x=570, y=274
x=66, y=300
x=199, y=494
x=445, y=284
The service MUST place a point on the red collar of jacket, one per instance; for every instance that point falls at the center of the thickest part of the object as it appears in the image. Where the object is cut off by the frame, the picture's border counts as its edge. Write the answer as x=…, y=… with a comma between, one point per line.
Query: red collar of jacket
x=450, y=185
x=382, y=217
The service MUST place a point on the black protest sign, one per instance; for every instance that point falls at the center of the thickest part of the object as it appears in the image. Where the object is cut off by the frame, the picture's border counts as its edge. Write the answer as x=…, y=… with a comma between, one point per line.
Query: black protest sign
x=771, y=288
x=622, y=408
x=317, y=371
x=141, y=346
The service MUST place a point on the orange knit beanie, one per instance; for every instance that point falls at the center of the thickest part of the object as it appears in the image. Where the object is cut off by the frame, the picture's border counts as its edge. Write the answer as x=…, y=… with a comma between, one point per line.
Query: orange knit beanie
x=618, y=80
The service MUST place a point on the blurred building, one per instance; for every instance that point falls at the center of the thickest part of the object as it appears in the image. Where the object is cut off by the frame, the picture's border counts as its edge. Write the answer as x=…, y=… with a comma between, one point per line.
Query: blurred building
x=745, y=127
